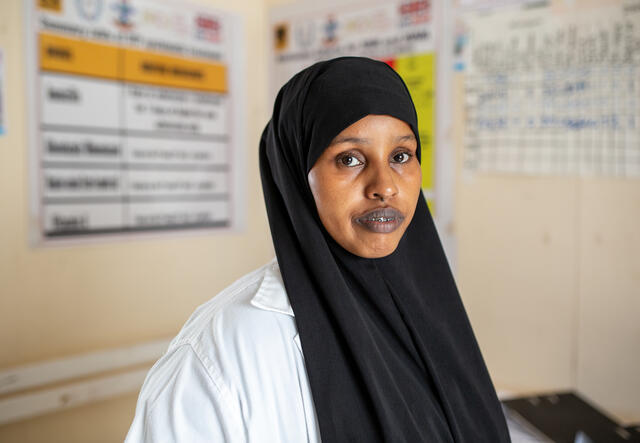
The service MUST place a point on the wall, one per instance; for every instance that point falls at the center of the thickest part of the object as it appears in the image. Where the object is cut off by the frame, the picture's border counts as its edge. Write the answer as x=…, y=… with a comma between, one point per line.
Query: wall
x=60, y=301
x=549, y=271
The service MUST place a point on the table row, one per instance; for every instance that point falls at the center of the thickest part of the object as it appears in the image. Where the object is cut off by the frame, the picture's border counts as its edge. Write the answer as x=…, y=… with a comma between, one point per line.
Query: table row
x=108, y=105
x=69, y=219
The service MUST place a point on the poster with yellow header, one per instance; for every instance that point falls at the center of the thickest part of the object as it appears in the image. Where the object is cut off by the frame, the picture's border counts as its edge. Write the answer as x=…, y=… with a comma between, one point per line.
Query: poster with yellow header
x=135, y=112
x=398, y=32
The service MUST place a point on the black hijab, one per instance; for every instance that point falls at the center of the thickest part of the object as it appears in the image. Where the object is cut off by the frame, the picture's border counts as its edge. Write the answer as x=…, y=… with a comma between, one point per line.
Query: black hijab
x=388, y=348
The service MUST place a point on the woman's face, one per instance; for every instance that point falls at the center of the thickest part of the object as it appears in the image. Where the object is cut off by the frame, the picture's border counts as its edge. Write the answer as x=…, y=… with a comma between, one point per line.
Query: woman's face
x=366, y=185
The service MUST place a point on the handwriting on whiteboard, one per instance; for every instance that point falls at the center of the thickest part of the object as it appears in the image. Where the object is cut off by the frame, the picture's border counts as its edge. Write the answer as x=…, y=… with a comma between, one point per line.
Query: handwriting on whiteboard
x=549, y=92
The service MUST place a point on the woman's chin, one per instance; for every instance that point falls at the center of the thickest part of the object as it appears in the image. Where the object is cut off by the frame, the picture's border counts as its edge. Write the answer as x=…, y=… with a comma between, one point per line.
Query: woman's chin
x=375, y=247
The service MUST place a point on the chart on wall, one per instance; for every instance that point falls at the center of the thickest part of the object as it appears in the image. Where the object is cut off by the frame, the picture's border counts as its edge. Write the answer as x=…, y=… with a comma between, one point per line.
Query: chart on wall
x=554, y=89
x=398, y=32
x=135, y=118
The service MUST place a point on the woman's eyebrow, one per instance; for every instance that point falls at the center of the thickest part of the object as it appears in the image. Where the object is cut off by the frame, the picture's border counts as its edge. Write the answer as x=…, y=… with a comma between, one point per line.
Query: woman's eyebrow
x=405, y=138
x=364, y=141
x=358, y=140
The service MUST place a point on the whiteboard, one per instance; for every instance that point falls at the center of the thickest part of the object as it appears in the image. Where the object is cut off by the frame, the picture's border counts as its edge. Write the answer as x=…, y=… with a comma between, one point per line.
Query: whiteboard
x=554, y=90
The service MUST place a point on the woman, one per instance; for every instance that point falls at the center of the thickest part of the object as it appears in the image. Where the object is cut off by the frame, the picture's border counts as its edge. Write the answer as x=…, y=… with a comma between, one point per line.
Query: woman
x=361, y=288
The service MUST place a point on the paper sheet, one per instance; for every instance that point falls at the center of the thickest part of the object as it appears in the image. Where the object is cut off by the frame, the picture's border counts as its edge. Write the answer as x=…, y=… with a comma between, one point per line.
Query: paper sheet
x=554, y=91
x=136, y=118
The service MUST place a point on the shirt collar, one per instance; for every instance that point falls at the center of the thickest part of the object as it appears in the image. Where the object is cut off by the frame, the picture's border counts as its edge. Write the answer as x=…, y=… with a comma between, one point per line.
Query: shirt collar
x=271, y=295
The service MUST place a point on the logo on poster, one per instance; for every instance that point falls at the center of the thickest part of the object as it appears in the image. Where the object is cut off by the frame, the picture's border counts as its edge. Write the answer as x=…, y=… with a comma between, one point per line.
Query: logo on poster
x=374, y=21
x=331, y=31
x=281, y=36
x=124, y=12
x=414, y=12
x=89, y=9
x=171, y=22
x=208, y=28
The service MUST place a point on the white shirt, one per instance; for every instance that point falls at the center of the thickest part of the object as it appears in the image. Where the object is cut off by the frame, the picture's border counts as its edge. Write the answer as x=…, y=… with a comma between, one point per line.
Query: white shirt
x=235, y=373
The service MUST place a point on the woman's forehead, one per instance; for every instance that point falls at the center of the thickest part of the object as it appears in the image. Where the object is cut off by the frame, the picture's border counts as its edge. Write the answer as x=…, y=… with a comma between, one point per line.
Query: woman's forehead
x=373, y=125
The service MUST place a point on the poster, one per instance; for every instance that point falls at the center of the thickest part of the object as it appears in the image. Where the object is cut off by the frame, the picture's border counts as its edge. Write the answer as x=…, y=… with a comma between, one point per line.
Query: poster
x=135, y=118
x=554, y=90
x=398, y=32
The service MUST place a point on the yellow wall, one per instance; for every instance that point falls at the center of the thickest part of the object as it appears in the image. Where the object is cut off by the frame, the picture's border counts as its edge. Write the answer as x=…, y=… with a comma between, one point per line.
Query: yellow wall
x=61, y=301
x=102, y=422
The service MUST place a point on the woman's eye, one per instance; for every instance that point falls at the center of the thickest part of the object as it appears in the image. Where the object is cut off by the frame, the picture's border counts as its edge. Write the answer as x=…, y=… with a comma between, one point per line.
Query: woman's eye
x=350, y=160
x=401, y=157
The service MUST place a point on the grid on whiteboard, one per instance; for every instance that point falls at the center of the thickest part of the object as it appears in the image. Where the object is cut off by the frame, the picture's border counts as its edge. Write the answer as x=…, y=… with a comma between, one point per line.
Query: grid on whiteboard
x=555, y=99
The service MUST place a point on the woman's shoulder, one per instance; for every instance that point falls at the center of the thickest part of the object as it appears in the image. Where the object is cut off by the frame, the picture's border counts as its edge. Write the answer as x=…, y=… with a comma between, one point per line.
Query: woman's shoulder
x=237, y=353
x=248, y=323
x=241, y=308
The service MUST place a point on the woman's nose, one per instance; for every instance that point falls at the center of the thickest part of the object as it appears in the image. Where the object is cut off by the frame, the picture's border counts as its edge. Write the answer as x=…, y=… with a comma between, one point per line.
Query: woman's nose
x=381, y=185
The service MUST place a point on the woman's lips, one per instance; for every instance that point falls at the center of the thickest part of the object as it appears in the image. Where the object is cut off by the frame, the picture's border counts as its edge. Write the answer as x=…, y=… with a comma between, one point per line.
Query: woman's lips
x=381, y=220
